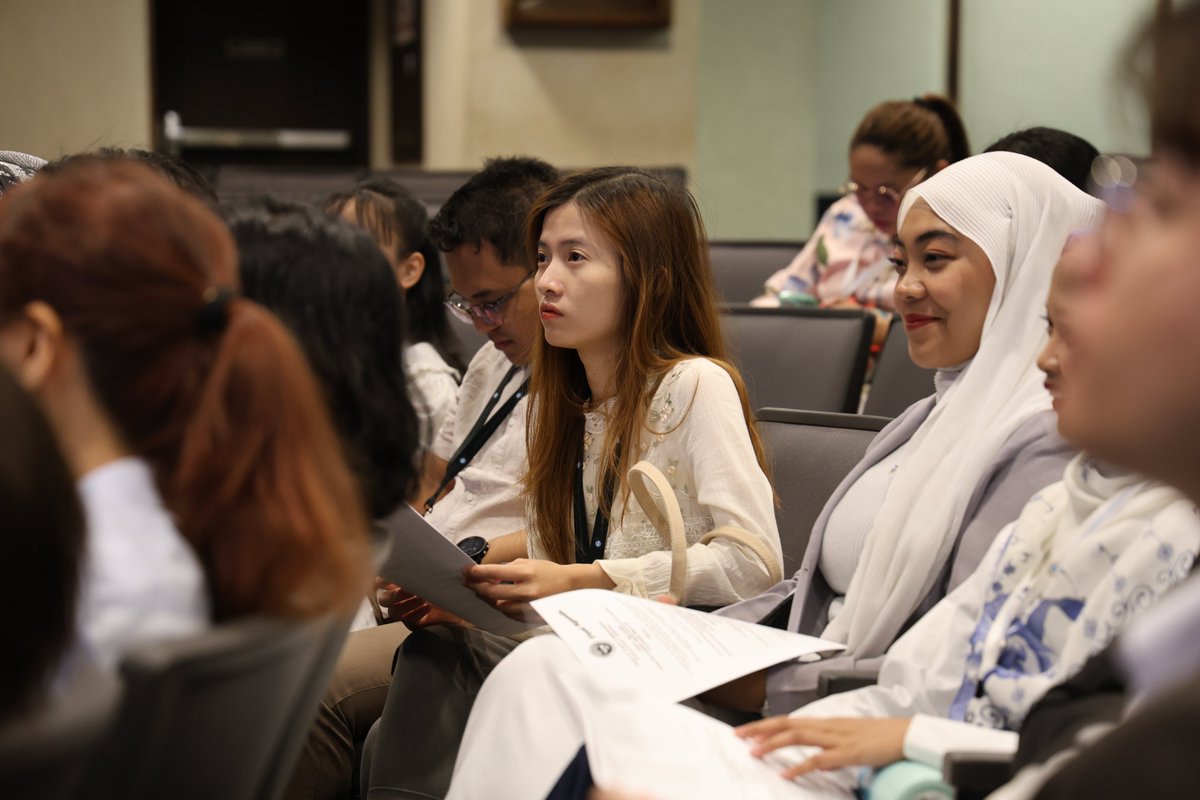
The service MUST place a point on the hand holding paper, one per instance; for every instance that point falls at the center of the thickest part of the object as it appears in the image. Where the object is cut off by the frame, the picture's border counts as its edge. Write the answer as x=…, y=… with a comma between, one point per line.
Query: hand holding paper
x=430, y=567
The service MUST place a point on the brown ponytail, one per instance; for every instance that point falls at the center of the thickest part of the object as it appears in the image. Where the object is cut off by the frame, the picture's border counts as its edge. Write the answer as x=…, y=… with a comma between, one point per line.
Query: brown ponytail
x=211, y=391
x=918, y=132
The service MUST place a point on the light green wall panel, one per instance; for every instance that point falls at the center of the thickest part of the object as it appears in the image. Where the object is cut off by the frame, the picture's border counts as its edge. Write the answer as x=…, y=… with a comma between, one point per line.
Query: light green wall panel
x=755, y=137
x=870, y=51
x=1051, y=62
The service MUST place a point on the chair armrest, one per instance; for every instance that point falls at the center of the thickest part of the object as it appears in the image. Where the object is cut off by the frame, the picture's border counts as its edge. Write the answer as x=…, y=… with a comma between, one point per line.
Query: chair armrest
x=976, y=774
x=836, y=681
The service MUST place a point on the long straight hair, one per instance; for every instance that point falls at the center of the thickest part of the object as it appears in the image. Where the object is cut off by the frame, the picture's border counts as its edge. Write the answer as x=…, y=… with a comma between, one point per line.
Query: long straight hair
x=215, y=395
x=670, y=314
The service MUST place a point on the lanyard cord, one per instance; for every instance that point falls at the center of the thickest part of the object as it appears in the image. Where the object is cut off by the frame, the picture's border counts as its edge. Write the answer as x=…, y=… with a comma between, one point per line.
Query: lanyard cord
x=590, y=548
x=480, y=433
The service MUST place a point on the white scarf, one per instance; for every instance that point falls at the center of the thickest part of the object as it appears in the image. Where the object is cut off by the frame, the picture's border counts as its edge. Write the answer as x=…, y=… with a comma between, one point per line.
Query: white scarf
x=1085, y=556
x=1020, y=213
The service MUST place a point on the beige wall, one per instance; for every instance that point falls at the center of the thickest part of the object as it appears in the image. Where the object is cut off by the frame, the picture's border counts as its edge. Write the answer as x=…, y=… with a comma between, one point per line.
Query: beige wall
x=756, y=99
x=74, y=74
x=574, y=99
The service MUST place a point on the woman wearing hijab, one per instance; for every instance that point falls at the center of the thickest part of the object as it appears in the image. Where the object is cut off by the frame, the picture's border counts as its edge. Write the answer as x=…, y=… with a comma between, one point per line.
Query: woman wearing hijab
x=977, y=247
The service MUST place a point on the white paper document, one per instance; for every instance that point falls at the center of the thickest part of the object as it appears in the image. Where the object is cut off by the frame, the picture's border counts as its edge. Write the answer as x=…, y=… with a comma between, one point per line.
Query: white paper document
x=426, y=563
x=669, y=652
x=664, y=750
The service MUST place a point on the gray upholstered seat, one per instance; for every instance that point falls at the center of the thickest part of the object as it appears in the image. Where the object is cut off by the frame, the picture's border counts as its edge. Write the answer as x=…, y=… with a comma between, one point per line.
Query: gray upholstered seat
x=800, y=358
x=898, y=382
x=44, y=754
x=810, y=453
x=220, y=714
x=741, y=268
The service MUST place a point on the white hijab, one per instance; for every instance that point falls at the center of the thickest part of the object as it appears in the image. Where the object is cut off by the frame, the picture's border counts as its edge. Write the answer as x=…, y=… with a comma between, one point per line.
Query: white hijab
x=1020, y=213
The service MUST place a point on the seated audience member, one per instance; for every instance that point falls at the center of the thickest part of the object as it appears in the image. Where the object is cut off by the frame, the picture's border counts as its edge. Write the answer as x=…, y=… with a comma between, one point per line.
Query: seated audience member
x=204, y=455
x=479, y=231
x=41, y=549
x=912, y=520
x=1085, y=557
x=897, y=144
x=1067, y=154
x=17, y=168
x=630, y=367
x=1137, y=339
x=397, y=222
x=308, y=270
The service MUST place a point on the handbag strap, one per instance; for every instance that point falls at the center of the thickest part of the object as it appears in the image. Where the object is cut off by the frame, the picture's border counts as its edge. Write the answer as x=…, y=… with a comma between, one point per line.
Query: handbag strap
x=657, y=499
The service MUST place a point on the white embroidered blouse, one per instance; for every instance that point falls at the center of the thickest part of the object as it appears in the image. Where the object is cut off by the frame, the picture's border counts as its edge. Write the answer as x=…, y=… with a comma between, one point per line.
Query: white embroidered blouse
x=696, y=435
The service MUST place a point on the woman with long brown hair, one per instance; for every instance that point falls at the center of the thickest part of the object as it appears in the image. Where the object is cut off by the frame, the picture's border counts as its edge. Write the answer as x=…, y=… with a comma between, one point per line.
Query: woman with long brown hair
x=630, y=367
x=213, y=482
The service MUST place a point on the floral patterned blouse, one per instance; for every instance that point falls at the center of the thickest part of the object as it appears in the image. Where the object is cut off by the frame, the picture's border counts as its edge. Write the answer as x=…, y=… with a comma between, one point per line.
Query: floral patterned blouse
x=846, y=257
x=695, y=434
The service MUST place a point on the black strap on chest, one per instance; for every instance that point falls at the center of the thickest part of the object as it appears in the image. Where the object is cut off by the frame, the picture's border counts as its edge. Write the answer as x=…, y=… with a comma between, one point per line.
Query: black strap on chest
x=590, y=547
x=480, y=433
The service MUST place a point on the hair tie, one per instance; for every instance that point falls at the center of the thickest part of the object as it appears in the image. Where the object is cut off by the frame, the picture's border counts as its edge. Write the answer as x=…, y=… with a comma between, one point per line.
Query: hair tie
x=213, y=315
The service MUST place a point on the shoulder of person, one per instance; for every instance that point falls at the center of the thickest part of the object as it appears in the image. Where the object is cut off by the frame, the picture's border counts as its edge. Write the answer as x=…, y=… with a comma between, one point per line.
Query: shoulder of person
x=1037, y=436
x=422, y=357
x=489, y=364
x=684, y=382
x=695, y=371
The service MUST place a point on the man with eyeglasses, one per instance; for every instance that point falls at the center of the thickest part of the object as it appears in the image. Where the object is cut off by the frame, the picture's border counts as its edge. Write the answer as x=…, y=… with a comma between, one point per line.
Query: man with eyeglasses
x=472, y=476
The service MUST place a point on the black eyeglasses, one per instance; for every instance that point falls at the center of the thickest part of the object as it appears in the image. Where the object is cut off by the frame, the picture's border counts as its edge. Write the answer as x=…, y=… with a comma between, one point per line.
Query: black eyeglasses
x=487, y=313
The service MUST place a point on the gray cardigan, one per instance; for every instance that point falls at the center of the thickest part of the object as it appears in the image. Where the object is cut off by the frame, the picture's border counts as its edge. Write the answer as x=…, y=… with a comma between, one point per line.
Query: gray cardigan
x=1032, y=458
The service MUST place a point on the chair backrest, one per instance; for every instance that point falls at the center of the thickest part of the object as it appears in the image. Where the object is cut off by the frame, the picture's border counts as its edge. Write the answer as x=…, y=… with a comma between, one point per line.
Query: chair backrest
x=800, y=358
x=898, y=382
x=44, y=756
x=297, y=184
x=295, y=732
x=741, y=268
x=810, y=452
x=205, y=716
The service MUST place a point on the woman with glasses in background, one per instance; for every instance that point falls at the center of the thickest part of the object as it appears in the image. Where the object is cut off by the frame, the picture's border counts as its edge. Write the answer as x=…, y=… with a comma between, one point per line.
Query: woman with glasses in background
x=898, y=144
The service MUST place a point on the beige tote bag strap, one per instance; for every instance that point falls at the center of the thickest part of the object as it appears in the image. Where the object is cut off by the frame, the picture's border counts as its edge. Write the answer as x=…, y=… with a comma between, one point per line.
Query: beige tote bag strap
x=657, y=499
x=754, y=544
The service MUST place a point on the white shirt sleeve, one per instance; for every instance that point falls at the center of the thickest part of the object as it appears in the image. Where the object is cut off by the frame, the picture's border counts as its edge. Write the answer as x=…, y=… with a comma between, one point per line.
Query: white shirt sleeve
x=726, y=483
x=930, y=739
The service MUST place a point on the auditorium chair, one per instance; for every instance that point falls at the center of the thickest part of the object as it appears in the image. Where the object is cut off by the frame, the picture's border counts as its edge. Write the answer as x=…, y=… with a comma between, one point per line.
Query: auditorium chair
x=898, y=382
x=800, y=358
x=741, y=268
x=219, y=714
x=44, y=754
x=810, y=453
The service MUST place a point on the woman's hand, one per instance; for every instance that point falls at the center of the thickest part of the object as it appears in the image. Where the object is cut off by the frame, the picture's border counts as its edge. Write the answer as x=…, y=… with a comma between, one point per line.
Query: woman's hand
x=844, y=742
x=413, y=611
x=510, y=587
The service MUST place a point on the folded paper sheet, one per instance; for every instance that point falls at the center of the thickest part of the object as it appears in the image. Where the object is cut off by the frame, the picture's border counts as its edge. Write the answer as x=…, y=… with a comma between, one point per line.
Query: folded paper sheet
x=670, y=652
x=426, y=563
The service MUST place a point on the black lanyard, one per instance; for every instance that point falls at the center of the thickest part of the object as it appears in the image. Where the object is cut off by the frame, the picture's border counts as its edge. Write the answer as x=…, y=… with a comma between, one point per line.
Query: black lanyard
x=480, y=432
x=590, y=548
